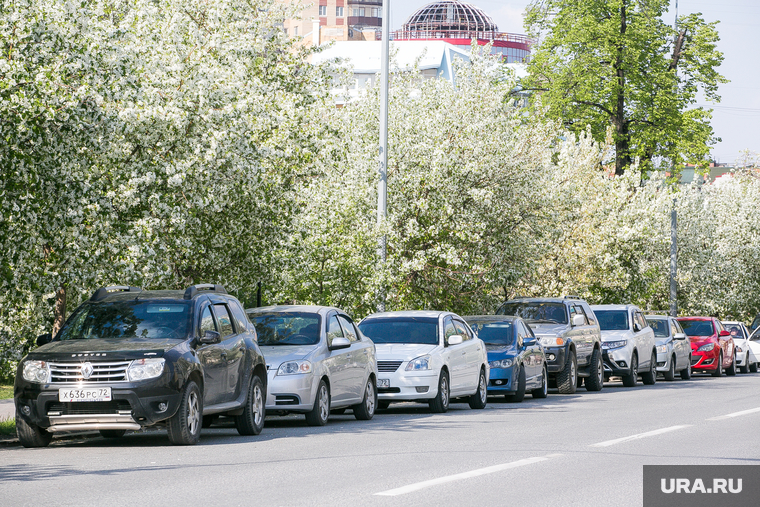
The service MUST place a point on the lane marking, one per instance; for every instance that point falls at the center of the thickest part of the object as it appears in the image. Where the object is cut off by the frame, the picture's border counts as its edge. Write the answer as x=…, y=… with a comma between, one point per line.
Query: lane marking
x=465, y=475
x=735, y=414
x=608, y=443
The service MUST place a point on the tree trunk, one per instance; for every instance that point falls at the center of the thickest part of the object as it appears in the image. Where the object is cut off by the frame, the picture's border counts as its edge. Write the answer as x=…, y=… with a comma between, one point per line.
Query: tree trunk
x=622, y=158
x=60, y=309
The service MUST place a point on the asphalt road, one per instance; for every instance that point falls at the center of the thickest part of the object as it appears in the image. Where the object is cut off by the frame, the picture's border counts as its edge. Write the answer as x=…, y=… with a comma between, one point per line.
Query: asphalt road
x=584, y=449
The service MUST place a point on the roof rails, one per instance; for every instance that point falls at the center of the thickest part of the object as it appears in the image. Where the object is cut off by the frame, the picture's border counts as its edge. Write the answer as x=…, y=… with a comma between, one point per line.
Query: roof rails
x=104, y=292
x=193, y=290
x=570, y=296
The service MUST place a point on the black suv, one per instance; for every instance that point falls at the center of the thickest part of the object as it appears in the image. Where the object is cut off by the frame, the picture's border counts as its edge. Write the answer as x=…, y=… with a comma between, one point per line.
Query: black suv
x=569, y=332
x=129, y=358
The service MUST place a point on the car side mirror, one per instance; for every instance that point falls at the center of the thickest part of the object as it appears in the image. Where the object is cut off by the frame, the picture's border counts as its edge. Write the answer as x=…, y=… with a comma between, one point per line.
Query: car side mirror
x=680, y=336
x=339, y=342
x=636, y=327
x=724, y=333
x=529, y=341
x=210, y=337
x=44, y=339
x=454, y=339
x=579, y=320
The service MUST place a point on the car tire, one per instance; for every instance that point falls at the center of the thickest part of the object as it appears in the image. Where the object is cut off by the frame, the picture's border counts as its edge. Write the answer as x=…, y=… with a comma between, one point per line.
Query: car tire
x=518, y=395
x=543, y=391
x=686, y=372
x=567, y=379
x=671, y=373
x=719, y=370
x=595, y=380
x=320, y=413
x=31, y=435
x=650, y=378
x=632, y=378
x=731, y=370
x=184, y=427
x=251, y=421
x=753, y=368
x=479, y=399
x=112, y=433
x=365, y=410
x=745, y=367
x=440, y=404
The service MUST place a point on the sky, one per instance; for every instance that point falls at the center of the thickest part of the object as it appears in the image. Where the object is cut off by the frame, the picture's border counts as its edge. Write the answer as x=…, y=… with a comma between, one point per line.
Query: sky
x=736, y=119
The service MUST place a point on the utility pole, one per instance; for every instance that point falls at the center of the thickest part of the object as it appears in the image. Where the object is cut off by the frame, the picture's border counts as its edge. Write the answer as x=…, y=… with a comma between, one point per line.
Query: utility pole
x=382, y=186
x=673, y=260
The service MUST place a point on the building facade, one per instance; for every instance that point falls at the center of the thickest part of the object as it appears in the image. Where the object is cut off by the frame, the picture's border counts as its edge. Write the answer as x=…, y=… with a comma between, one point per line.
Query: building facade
x=340, y=20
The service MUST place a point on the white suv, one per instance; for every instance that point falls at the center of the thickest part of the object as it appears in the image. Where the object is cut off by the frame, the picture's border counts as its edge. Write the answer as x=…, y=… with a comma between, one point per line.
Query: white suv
x=628, y=344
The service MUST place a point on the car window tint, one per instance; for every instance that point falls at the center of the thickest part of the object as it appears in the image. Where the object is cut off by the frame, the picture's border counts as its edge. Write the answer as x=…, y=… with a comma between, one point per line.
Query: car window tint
x=448, y=327
x=612, y=320
x=462, y=330
x=673, y=328
x=698, y=327
x=659, y=326
x=207, y=321
x=580, y=311
x=225, y=322
x=241, y=320
x=333, y=329
x=589, y=314
x=348, y=329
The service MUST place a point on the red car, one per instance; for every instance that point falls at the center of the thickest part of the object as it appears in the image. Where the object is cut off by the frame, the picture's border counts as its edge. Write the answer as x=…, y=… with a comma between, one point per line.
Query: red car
x=712, y=348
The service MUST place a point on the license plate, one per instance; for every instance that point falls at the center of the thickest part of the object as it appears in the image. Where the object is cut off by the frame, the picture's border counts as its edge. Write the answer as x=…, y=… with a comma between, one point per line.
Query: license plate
x=383, y=382
x=85, y=394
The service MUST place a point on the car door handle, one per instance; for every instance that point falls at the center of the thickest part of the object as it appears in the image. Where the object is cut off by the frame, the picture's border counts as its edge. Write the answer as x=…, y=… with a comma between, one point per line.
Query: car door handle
x=464, y=353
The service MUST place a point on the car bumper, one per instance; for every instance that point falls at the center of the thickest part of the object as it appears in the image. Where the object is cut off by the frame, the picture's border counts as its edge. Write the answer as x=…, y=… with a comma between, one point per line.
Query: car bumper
x=616, y=362
x=705, y=361
x=290, y=393
x=408, y=386
x=741, y=358
x=557, y=364
x=663, y=361
x=502, y=381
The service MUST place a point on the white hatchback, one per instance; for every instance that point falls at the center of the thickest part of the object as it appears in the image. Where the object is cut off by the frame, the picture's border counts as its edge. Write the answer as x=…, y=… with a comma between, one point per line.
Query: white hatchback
x=430, y=357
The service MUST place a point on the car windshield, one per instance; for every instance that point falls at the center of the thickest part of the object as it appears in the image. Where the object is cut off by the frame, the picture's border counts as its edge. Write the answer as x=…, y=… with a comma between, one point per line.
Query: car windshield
x=421, y=330
x=698, y=327
x=291, y=328
x=536, y=312
x=612, y=320
x=659, y=326
x=735, y=329
x=494, y=333
x=129, y=320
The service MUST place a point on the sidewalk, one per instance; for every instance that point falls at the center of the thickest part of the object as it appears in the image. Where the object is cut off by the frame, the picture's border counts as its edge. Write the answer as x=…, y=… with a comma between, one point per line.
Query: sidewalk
x=7, y=409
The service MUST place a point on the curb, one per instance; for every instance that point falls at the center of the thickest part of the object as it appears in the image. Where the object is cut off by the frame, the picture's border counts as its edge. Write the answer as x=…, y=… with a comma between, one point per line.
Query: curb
x=80, y=435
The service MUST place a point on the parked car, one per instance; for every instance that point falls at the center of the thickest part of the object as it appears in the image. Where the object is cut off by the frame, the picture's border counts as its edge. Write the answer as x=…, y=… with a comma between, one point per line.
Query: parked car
x=747, y=351
x=431, y=357
x=673, y=347
x=628, y=344
x=712, y=348
x=318, y=362
x=568, y=330
x=516, y=358
x=129, y=358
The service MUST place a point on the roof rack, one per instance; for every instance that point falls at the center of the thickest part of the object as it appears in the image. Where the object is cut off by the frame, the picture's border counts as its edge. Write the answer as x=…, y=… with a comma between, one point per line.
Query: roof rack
x=193, y=290
x=104, y=292
x=570, y=296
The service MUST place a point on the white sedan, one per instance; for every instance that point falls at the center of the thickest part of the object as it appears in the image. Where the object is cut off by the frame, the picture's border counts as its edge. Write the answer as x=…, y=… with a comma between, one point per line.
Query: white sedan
x=747, y=347
x=430, y=357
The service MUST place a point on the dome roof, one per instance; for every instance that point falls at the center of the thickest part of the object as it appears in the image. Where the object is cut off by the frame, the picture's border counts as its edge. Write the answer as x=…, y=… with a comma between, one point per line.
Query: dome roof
x=450, y=15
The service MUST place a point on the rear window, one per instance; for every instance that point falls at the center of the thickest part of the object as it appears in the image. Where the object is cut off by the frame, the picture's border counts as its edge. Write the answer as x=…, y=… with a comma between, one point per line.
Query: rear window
x=659, y=326
x=416, y=330
x=698, y=327
x=129, y=320
x=291, y=328
x=612, y=320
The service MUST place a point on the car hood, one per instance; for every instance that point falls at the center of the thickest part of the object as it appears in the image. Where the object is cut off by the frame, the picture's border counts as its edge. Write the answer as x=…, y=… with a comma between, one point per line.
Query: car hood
x=274, y=355
x=106, y=348
x=662, y=341
x=402, y=351
x=499, y=350
x=549, y=329
x=613, y=336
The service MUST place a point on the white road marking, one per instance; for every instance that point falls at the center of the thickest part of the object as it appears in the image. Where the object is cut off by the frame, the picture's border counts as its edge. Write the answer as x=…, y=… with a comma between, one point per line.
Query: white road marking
x=465, y=475
x=735, y=414
x=640, y=435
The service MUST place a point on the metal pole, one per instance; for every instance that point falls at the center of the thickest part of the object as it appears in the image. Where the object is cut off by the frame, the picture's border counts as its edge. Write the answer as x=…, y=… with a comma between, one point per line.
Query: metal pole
x=673, y=260
x=382, y=186
x=258, y=295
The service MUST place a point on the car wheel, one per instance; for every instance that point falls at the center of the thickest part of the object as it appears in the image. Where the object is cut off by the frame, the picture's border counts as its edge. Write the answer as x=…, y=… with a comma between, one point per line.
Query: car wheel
x=480, y=398
x=671, y=373
x=518, y=395
x=649, y=378
x=31, y=435
x=112, y=433
x=632, y=378
x=365, y=410
x=719, y=370
x=567, y=379
x=440, y=404
x=251, y=421
x=184, y=427
x=543, y=391
x=753, y=368
x=731, y=370
x=321, y=412
x=745, y=367
x=686, y=372
x=595, y=380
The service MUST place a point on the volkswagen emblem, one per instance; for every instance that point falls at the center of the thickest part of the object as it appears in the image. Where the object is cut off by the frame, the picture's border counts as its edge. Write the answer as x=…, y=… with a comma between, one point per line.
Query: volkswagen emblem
x=87, y=370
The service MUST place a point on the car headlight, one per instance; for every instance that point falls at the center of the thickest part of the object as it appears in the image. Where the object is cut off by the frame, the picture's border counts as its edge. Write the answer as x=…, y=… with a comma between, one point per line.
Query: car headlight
x=706, y=348
x=504, y=363
x=36, y=371
x=142, y=369
x=662, y=349
x=739, y=349
x=614, y=345
x=420, y=363
x=551, y=341
x=294, y=368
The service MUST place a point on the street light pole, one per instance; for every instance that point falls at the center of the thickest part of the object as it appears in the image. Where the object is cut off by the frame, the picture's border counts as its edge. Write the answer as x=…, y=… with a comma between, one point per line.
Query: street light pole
x=382, y=186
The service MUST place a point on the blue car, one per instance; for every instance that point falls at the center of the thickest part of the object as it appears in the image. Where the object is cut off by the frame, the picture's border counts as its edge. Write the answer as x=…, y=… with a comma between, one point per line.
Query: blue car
x=516, y=358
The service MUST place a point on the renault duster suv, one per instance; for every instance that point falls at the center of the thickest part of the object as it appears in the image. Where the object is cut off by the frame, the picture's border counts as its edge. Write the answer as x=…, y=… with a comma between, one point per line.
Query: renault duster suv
x=129, y=358
x=569, y=332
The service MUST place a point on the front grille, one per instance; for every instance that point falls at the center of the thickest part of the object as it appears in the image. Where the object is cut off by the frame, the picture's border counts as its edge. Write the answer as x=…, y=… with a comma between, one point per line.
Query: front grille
x=388, y=390
x=388, y=366
x=89, y=407
x=65, y=372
